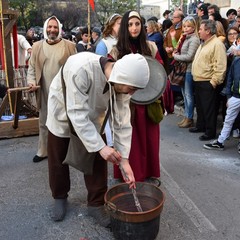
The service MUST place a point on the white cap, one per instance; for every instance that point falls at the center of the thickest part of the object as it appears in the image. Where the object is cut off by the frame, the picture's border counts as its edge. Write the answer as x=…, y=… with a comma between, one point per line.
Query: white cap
x=131, y=70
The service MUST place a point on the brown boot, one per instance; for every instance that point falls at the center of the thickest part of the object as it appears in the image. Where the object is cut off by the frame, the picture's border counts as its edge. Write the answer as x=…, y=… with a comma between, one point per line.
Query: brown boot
x=181, y=122
x=187, y=123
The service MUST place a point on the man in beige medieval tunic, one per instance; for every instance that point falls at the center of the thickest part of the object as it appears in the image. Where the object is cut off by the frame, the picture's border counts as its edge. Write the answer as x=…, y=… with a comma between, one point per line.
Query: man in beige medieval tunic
x=48, y=55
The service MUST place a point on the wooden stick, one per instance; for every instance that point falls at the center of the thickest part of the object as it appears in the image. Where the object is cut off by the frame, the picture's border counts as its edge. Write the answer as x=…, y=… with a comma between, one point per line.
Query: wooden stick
x=3, y=105
x=16, y=109
x=20, y=89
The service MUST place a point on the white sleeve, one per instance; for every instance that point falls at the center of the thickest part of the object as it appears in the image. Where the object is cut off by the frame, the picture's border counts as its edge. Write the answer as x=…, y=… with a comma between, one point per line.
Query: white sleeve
x=77, y=97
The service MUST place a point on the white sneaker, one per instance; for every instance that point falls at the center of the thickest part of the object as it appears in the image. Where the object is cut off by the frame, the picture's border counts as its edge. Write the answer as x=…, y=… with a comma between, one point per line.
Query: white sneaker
x=236, y=133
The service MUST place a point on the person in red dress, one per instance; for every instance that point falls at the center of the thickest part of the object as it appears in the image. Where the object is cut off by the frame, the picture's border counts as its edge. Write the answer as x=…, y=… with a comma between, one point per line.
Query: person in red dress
x=144, y=154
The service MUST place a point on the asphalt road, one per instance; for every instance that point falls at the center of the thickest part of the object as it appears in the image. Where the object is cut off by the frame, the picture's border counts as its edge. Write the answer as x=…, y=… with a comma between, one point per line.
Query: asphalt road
x=201, y=186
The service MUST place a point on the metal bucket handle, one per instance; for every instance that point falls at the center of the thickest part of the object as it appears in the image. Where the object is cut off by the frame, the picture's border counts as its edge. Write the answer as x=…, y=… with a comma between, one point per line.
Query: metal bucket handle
x=155, y=181
x=111, y=206
x=158, y=182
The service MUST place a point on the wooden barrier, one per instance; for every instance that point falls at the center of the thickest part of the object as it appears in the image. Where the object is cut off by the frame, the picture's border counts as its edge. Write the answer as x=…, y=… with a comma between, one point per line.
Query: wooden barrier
x=15, y=127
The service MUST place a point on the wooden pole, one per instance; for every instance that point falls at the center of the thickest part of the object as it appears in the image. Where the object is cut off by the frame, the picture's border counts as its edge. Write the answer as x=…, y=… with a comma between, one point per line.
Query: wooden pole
x=89, y=23
x=8, y=18
x=20, y=89
x=4, y=55
x=15, y=128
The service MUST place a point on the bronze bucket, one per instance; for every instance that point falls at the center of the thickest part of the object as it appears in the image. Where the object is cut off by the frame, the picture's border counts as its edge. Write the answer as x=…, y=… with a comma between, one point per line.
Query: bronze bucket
x=126, y=222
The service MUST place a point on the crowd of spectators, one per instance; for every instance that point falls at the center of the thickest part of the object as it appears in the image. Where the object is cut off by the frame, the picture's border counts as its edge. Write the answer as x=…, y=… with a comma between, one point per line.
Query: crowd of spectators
x=226, y=29
x=167, y=33
x=206, y=41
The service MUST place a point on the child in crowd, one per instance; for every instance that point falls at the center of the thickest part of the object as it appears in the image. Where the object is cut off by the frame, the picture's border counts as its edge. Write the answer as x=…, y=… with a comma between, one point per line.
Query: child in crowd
x=233, y=104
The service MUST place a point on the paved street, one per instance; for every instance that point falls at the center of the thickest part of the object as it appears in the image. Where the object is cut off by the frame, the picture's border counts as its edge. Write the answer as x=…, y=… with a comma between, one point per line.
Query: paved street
x=201, y=186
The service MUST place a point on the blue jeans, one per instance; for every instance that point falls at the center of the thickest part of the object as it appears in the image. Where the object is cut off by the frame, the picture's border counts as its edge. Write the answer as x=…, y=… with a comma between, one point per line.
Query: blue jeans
x=187, y=92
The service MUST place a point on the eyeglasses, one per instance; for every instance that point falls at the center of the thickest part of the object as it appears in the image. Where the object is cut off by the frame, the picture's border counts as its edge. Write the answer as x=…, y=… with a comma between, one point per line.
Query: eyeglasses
x=232, y=34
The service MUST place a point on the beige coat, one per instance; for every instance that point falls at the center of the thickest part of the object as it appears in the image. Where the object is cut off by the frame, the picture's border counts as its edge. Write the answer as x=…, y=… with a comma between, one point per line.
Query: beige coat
x=38, y=59
x=210, y=62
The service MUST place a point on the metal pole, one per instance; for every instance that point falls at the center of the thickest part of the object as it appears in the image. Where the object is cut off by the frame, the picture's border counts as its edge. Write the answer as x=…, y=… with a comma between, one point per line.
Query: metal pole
x=138, y=5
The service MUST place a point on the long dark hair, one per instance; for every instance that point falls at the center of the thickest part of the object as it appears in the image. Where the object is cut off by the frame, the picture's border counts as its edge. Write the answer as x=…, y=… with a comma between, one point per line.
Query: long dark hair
x=227, y=43
x=124, y=39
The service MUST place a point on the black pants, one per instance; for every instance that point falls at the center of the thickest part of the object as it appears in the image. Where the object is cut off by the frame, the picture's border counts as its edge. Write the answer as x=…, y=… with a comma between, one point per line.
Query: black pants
x=206, y=96
x=59, y=178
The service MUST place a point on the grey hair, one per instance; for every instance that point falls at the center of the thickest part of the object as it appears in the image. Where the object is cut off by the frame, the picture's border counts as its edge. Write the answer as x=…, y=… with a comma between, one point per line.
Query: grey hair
x=210, y=25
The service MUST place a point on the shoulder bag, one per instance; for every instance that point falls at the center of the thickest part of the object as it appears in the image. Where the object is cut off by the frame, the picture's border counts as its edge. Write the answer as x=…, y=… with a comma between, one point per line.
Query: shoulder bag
x=77, y=156
x=177, y=75
x=179, y=68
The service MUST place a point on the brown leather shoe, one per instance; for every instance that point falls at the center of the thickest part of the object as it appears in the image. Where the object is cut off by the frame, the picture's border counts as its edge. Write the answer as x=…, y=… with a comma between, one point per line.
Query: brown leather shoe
x=181, y=122
x=187, y=123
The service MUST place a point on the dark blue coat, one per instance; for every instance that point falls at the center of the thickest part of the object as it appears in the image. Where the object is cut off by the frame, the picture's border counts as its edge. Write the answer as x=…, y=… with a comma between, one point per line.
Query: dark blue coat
x=233, y=80
x=158, y=39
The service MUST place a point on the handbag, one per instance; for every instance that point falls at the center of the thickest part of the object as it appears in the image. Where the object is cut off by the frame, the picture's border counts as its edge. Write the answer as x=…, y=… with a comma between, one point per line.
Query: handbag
x=177, y=75
x=77, y=155
x=155, y=111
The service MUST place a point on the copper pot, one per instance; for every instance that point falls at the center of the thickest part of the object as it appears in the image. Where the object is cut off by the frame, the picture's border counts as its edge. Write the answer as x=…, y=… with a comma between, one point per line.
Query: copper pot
x=127, y=223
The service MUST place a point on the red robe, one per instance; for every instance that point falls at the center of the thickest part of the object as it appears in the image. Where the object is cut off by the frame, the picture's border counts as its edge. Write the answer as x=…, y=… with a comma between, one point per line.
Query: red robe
x=145, y=148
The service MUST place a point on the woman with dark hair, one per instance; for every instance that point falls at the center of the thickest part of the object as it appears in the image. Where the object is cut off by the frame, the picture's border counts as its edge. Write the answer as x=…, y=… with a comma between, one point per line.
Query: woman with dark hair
x=230, y=43
x=231, y=33
x=216, y=16
x=144, y=154
x=167, y=23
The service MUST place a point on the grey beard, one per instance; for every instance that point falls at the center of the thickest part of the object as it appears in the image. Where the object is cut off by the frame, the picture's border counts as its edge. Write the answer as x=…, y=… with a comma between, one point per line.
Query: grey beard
x=52, y=37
